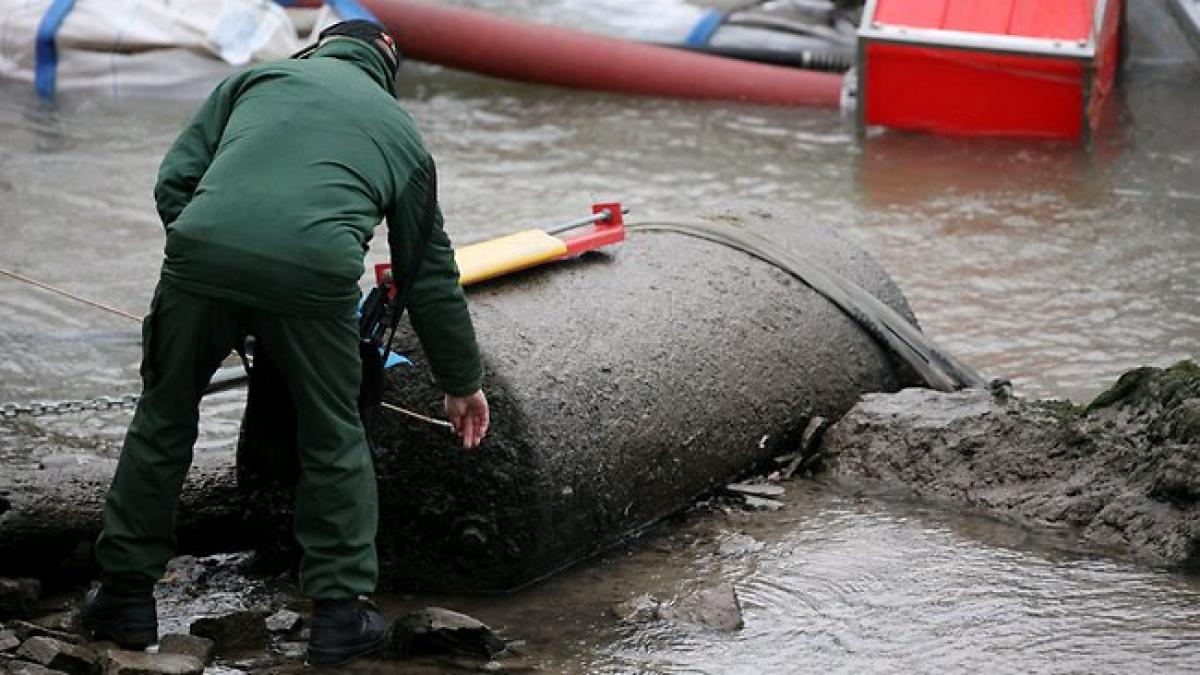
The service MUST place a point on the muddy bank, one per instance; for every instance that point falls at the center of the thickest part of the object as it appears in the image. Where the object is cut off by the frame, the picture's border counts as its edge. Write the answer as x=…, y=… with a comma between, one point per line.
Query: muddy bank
x=1124, y=471
x=622, y=386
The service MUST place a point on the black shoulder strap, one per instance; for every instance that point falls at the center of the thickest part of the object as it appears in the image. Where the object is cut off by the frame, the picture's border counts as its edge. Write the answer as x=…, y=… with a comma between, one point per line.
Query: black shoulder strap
x=400, y=301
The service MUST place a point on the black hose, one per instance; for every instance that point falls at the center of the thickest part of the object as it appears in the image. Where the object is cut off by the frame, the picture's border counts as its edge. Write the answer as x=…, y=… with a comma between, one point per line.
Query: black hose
x=938, y=369
x=829, y=60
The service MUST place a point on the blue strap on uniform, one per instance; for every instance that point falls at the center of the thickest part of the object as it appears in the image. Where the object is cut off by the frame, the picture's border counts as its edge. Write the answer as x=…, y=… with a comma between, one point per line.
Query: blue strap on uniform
x=350, y=9
x=347, y=9
x=45, y=70
x=703, y=31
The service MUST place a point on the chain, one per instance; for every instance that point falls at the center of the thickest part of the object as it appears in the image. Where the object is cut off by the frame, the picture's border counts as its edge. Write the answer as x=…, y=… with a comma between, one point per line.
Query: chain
x=45, y=408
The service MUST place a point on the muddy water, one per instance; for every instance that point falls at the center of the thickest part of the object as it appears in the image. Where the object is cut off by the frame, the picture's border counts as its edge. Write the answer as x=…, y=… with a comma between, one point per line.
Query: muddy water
x=1055, y=267
x=837, y=584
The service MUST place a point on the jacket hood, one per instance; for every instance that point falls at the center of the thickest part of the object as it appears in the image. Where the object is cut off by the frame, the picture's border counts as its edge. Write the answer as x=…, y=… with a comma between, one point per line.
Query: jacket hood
x=366, y=57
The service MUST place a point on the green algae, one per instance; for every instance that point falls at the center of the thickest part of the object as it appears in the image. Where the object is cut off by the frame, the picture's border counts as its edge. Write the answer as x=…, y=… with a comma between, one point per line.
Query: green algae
x=1146, y=386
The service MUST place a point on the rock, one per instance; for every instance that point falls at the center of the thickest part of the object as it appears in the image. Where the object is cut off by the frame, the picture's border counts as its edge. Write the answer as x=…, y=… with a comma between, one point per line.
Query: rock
x=26, y=630
x=434, y=630
x=140, y=663
x=63, y=460
x=515, y=648
x=641, y=609
x=256, y=663
x=8, y=641
x=199, y=648
x=756, y=489
x=64, y=622
x=760, y=504
x=27, y=668
x=284, y=621
x=59, y=655
x=237, y=630
x=1124, y=471
x=292, y=650
x=19, y=598
x=737, y=545
x=717, y=608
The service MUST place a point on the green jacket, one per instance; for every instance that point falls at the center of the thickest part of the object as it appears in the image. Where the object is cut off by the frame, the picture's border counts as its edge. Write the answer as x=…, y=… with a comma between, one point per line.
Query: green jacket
x=272, y=192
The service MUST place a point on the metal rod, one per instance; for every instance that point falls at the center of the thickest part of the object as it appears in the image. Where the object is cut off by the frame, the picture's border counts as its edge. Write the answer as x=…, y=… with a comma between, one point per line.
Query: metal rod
x=580, y=222
x=233, y=377
x=78, y=298
x=417, y=415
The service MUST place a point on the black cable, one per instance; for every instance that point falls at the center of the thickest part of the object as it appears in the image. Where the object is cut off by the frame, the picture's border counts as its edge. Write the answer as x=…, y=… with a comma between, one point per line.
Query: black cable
x=938, y=369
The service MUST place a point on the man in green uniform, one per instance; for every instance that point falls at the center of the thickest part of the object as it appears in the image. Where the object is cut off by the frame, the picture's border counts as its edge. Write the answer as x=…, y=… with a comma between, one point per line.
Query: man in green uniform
x=269, y=198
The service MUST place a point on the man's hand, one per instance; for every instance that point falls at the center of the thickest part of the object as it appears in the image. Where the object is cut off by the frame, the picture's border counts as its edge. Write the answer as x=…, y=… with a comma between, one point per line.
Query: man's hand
x=469, y=417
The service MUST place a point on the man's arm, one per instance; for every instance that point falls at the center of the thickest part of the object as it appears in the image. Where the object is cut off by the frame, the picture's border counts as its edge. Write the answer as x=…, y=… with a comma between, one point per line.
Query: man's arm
x=437, y=306
x=188, y=158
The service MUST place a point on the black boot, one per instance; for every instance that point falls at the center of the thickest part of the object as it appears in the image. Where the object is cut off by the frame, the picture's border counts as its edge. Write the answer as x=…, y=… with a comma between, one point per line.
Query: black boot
x=127, y=617
x=344, y=630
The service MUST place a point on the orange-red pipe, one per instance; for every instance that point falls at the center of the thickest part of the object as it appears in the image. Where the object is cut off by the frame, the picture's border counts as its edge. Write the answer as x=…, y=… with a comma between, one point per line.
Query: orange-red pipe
x=483, y=43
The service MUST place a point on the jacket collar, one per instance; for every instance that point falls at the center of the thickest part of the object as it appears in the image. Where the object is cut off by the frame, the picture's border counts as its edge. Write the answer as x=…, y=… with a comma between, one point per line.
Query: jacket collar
x=366, y=57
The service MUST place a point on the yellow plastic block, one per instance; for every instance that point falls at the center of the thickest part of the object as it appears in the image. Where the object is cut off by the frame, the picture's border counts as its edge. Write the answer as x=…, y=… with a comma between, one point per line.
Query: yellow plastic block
x=497, y=257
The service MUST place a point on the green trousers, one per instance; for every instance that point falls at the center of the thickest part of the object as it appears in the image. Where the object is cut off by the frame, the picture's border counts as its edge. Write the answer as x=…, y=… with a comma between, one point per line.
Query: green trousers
x=185, y=338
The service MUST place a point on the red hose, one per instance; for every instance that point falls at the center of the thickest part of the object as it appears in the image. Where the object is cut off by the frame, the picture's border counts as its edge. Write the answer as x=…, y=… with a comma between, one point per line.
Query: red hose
x=483, y=43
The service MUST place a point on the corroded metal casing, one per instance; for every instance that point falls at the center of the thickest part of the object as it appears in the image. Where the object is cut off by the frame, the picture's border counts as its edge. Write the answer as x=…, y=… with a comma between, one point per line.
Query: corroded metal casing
x=623, y=384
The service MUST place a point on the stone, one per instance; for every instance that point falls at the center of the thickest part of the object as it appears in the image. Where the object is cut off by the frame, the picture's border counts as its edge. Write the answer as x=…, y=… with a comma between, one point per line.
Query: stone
x=19, y=598
x=257, y=663
x=246, y=629
x=8, y=641
x=756, y=489
x=27, y=668
x=284, y=621
x=140, y=663
x=292, y=650
x=59, y=655
x=641, y=609
x=61, y=461
x=199, y=648
x=717, y=608
x=737, y=545
x=26, y=630
x=439, y=631
x=64, y=622
x=760, y=504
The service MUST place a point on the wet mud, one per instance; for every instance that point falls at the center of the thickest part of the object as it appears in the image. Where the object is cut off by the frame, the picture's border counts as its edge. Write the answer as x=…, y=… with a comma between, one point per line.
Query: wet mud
x=1122, y=473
